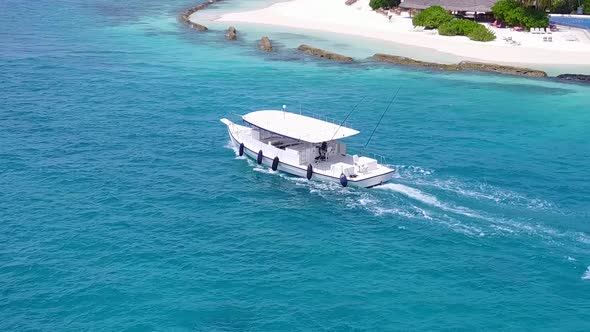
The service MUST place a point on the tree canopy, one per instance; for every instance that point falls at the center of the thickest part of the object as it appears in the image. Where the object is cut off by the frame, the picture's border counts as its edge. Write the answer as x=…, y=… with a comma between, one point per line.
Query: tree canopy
x=375, y=4
x=432, y=17
x=515, y=14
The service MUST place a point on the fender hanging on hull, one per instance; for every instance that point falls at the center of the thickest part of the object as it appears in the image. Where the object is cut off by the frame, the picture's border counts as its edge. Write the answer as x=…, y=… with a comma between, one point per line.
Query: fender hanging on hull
x=293, y=167
x=259, y=158
x=343, y=180
x=241, y=150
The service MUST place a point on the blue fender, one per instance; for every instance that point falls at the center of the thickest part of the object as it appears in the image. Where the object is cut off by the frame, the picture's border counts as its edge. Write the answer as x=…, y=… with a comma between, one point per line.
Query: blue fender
x=343, y=180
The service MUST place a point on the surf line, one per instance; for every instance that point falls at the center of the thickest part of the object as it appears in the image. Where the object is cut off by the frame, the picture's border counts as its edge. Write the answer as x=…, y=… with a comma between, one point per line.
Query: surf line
x=404, y=61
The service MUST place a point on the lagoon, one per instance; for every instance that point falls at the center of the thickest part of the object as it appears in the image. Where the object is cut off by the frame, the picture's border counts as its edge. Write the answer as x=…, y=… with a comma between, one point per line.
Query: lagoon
x=110, y=221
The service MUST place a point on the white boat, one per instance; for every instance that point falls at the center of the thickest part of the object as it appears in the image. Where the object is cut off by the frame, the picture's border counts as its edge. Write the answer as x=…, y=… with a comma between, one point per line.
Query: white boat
x=304, y=146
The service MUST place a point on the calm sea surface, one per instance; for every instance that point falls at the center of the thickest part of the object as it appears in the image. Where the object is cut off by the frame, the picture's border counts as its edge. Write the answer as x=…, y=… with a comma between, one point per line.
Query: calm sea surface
x=122, y=207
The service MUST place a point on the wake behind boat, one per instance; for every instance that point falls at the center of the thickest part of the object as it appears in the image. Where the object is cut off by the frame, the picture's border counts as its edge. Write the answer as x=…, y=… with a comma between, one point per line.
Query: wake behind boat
x=304, y=146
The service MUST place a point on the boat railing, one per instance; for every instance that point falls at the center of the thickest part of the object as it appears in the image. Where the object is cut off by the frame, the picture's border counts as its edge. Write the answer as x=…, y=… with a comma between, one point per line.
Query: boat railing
x=381, y=159
x=322, y=117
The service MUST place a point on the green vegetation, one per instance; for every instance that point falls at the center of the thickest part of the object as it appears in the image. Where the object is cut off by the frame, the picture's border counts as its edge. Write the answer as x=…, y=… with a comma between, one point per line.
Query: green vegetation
x=436, y=17
x=471, y=29
x=481, y=34
x=376, y=4
x=457, y=27
x=586, y=5
x=503, y=8
x=562, y=7
x=432, y=17
x=511, y=12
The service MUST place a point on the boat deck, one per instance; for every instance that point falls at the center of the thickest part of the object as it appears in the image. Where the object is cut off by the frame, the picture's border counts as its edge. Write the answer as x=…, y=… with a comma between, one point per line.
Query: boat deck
x=333, y=162
x=342, y=161
x=326, y=165
x=360, y=171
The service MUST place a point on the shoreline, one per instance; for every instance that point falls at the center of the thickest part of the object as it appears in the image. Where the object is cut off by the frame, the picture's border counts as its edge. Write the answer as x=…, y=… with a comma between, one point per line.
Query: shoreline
x=519, y=69
x=333, y=16
x=185, y=16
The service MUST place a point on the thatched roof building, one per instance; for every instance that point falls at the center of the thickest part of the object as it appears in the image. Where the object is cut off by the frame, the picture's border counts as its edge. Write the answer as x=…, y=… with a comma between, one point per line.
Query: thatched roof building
x=451, y=5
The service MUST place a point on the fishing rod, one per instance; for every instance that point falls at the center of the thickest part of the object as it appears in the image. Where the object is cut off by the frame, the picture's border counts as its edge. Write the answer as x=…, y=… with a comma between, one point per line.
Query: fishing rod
x=378, y=123
x=343, y=121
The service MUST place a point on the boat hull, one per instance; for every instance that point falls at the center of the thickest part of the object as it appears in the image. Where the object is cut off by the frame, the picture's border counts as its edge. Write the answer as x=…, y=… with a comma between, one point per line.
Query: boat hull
x=302, y=172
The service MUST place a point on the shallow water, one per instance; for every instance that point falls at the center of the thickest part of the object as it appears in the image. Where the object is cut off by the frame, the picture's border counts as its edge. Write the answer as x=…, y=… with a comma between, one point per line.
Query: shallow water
x=124, y=208
x=361, y=49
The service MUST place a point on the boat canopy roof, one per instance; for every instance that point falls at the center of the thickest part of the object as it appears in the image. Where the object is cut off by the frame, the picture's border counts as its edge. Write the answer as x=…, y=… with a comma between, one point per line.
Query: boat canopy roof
x=297, y=126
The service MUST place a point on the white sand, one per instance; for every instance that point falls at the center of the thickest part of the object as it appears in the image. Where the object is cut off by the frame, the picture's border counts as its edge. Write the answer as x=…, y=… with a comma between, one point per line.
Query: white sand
x=359, y=20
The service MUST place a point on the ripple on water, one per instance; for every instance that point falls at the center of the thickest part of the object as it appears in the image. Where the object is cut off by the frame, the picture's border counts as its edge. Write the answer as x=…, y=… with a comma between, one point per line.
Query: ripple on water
x=115, y=187
x=477, y=224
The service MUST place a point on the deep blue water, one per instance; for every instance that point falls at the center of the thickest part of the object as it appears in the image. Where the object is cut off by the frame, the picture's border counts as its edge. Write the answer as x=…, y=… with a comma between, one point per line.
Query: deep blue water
x=122, y=208
x=572, y=21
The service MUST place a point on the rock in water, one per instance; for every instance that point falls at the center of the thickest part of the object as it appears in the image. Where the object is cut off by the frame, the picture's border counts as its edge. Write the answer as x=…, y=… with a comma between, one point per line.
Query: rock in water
x=324, y=54
x=462, y=66
x=185, y=16
x=400, y=60
x=197, y=26
x=509, y=70
x=575, y=77
x=265, y=44
x=231, y=34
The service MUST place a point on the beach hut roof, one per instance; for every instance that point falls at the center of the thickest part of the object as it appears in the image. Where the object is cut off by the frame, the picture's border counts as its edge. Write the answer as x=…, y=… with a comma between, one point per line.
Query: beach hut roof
x=453, y=5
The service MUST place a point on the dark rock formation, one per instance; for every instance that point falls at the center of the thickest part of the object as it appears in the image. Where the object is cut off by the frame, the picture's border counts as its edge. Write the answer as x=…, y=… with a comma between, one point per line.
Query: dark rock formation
x=185, y=16
x=231, y=34
x=462, y=66
x=197, y=26
x=575, y=78
x=324, y=54
x=500, y=69
x=265, y=44
x=400, y=60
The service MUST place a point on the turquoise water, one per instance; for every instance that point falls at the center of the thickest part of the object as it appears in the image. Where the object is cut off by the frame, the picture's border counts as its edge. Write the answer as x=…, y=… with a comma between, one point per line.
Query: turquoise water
x=122, y=207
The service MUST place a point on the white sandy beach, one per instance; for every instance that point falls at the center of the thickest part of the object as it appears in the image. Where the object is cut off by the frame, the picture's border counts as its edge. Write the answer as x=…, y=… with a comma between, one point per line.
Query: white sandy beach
x=359, y=20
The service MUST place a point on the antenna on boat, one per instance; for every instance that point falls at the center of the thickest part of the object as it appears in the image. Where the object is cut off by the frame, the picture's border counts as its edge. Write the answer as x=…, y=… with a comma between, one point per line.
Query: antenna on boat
x=381, y=118
x=346, y=118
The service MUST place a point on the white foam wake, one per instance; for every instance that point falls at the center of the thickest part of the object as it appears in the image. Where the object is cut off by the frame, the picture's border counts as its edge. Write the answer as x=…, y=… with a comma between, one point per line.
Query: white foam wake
x=380, y=206
x=428, y=199
x=479, y=191
x=412, y=193
x=235, y=149
x=486, y=192
x=586, y=275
